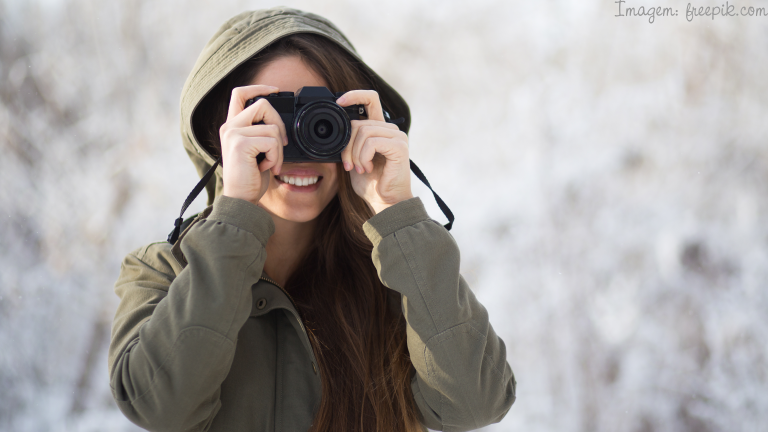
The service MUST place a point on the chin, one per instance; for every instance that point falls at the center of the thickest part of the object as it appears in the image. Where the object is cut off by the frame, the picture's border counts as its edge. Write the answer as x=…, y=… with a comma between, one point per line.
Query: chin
x=294, y=206
x=298, y=214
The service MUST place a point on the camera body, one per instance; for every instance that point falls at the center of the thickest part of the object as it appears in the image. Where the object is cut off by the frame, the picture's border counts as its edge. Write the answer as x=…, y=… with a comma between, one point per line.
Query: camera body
x=318, y=128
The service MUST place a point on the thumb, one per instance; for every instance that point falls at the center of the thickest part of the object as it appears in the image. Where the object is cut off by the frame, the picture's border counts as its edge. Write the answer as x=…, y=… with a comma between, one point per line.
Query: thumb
x=265, y=179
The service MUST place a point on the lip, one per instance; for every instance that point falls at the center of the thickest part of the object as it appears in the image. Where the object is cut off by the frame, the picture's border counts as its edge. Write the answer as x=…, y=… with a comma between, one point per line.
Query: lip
x=300, y=172
x=300, y=189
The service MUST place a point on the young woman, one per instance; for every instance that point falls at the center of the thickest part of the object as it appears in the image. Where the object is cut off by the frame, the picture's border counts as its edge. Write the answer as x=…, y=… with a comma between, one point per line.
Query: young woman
x=307, y=296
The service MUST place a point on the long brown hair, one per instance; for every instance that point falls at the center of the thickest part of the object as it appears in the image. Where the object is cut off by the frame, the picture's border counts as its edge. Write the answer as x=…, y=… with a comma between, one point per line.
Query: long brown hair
x=357, y=333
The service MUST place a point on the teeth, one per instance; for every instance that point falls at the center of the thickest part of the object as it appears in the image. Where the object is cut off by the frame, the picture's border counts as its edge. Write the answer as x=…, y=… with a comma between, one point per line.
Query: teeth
x=299, y=181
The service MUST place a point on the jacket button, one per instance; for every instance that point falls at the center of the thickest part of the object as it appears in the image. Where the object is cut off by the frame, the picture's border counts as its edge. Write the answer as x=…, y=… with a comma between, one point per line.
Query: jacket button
x=314, y=369
x=261, y=303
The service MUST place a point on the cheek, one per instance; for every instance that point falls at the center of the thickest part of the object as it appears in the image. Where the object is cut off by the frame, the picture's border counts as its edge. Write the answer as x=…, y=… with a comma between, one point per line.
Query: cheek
x=331, y=178
x=333, y=188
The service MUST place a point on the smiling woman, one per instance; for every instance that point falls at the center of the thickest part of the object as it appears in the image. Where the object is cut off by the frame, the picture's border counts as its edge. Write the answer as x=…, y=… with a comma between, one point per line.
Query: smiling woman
x=310, y=295
x=289, y=195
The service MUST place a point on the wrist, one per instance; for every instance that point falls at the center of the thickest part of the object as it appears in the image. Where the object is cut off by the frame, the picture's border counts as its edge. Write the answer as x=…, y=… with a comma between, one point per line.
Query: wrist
x=380, y=206
x=246, y=192
x=243, y=197
x=401, y=215
x=244, y=215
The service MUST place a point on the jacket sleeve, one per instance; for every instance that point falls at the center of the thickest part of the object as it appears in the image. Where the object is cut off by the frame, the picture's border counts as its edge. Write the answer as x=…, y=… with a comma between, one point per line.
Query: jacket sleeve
x=463, y=380
x=175, y=330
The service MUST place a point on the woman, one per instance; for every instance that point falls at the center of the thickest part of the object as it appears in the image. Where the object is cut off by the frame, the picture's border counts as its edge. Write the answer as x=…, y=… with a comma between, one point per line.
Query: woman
x=308, y=296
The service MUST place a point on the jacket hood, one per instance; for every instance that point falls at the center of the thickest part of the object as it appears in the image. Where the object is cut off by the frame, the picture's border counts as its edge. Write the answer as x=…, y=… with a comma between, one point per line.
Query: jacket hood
x=239, y=39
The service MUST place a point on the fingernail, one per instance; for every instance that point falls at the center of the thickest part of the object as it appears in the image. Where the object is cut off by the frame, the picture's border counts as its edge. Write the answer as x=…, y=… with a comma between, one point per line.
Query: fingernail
x=347, y=166
x=359, y=170
x=341, y=100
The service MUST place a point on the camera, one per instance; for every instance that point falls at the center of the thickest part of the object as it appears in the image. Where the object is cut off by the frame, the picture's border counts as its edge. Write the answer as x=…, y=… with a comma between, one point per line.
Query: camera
x=318, y=128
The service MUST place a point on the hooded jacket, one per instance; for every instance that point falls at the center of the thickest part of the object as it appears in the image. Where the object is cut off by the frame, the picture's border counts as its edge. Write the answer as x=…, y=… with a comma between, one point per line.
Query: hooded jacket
x=203, y=341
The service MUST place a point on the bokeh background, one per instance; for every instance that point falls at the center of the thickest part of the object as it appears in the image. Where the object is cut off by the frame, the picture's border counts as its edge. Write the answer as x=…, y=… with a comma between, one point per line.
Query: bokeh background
x=609, y=177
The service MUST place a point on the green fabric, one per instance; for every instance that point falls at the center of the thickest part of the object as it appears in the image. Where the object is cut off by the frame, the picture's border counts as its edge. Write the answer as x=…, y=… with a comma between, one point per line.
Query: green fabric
x=202, y=342
x=463, y=380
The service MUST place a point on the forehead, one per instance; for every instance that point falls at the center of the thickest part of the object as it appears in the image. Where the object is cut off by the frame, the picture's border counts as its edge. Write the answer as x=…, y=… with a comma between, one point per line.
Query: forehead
x=288, y=74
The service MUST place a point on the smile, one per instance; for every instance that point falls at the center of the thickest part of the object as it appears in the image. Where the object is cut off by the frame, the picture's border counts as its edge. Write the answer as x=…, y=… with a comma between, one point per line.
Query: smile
x=298, y=181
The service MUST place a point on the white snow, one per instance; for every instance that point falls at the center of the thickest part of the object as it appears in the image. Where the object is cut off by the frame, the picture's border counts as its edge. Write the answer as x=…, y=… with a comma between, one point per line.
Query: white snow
x=609, y=179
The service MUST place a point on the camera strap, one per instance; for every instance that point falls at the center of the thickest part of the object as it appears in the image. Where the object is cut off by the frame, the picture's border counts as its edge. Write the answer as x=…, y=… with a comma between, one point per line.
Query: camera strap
x=440, y=203
x=174, y=235
x=420, y=175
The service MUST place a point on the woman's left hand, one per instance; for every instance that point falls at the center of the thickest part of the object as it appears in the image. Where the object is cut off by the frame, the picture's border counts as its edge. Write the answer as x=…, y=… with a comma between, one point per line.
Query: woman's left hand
x=377, y=154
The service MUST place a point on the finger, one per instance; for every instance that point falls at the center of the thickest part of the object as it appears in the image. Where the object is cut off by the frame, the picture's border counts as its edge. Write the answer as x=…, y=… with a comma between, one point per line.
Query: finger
x=346, y=154
x=367, y=98
x=270, y=147
x=261, y=130
x=392, y=149
x=243, y=148
x=266, y=130
x=360, y=137
x=279, y=165
x=260, y=111
x=265, y=179
x=375, y=123
x=366, y=132
x=233, y=136
x=242, y=94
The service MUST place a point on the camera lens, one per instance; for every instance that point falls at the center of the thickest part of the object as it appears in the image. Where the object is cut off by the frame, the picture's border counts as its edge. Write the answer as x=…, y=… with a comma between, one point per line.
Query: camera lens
x=322, y=129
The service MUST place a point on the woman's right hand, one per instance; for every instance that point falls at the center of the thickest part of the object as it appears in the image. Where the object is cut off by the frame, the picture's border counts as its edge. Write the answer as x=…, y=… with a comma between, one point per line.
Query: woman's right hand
x=242, y=141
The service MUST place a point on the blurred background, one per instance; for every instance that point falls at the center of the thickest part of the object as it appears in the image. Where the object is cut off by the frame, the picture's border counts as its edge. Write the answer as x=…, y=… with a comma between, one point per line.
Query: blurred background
x=609, y=177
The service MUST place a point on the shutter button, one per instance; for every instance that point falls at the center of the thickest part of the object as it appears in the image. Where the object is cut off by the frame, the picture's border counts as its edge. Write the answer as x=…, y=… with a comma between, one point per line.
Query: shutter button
x=261, y=304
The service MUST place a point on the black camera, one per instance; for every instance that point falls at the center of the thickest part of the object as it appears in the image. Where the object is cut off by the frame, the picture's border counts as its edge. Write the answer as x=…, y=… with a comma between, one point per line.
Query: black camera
x=318, y=128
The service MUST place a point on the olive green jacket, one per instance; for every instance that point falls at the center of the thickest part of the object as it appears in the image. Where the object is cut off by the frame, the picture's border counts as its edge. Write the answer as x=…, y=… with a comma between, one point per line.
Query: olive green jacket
x=203, y=341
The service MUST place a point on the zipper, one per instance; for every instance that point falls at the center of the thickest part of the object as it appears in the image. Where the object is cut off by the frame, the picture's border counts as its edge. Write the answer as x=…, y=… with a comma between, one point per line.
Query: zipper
x=268, y=279
x=298, y=312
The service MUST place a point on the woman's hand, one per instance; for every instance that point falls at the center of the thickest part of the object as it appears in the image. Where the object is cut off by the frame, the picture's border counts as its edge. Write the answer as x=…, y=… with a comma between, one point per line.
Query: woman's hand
x=377, y=154
x=242, y=141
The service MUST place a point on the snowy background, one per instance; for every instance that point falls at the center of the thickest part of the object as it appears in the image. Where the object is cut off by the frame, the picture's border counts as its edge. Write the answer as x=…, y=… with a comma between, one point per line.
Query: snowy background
x=609, y=178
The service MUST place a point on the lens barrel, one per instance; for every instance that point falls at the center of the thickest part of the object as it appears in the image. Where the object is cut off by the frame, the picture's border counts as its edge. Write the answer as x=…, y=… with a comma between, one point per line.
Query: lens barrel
x=322, y=129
